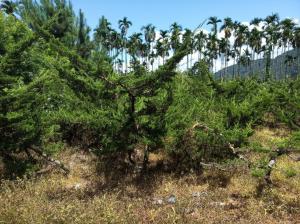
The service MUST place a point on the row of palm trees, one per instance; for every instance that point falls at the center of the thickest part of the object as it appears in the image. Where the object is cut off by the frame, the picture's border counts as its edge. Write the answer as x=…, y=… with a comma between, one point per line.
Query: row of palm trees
x=233, y=42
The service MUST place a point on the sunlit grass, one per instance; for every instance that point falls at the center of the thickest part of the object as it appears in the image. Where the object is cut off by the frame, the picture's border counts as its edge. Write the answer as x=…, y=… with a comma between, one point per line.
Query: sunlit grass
x=214, y=196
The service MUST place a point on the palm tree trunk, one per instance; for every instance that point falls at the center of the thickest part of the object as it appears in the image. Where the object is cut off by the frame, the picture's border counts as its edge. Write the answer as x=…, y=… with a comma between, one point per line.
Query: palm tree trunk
x=187, y=62
x=225, y=69
x=298, y=61
x=125, y=61
x=215, y=65
x=268, y=63
x=233, y=68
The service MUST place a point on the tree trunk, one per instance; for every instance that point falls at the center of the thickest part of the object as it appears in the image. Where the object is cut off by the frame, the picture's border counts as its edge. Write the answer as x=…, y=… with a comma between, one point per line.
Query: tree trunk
x=187, y=62
x=125, y=61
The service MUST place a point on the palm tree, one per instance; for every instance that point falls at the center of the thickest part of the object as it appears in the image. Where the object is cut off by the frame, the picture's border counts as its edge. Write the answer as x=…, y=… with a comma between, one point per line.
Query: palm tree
x=213, y=20
x=9, y=7
x=287, y=26
x=289, y=61
x=224, y=49
x=245, y=59
x=124, y=25
x=255, y=36
x=188, y=38
x=200, y=41
x=115, y=45
x=256, y=21
x=233, y=55
x=271, y=28
x=228, y=27
x=163, y=45
x=212, y=50
x=149, y=35
x=296, y=44
x=152, y=57
x=134, y=46
x=241, y=34
x=255, y=42
x=175, y=30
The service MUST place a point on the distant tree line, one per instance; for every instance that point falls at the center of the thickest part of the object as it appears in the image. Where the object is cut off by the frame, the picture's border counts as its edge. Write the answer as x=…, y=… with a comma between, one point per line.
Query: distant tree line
x=265, y=38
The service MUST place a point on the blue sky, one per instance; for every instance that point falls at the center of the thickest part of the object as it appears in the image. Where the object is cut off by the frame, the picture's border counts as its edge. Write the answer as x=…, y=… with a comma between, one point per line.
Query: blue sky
x=188, y=13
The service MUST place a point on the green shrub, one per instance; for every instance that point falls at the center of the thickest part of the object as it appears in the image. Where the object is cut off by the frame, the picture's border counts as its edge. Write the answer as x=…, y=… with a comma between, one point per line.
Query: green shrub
x=290, y=172
x=257, y=147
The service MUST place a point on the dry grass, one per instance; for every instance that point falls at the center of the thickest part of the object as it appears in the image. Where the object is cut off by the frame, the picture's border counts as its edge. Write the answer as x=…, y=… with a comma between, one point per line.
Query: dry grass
x=269, y=137
x=93, y=194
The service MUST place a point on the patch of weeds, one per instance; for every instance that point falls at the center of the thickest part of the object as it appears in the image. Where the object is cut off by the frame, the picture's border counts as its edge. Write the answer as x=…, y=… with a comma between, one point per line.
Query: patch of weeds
x=54, y=147
x=259, y=168
x=290, y=172
x=258, y=147
x=294, y=140
x=258, y=172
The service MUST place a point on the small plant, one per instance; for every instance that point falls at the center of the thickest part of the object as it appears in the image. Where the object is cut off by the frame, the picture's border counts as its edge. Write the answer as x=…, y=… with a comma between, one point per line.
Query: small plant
x=259, y=169
x=295, y=140
x=290, y=172
x=258, y=172
x=257, y=147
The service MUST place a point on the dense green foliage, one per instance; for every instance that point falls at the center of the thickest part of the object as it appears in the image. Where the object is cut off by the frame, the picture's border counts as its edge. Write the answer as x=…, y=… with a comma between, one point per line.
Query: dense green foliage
x=58, y=87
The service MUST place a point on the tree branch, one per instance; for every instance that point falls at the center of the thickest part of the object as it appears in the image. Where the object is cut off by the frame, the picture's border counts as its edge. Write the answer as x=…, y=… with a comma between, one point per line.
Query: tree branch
x=51, y=160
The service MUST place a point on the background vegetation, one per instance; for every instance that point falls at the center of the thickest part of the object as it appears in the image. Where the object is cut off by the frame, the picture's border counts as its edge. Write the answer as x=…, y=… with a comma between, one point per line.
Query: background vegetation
x=115, y=96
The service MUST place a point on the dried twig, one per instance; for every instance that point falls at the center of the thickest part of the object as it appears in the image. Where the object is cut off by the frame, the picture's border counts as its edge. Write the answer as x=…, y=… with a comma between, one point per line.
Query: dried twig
x=51, y=160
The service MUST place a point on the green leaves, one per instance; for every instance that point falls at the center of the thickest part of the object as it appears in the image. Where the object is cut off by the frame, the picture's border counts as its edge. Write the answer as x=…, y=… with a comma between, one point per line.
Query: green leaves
x=51, y=96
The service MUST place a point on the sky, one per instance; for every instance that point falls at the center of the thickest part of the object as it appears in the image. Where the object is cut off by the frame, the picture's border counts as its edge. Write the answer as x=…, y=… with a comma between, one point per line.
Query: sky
x=188, y=13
